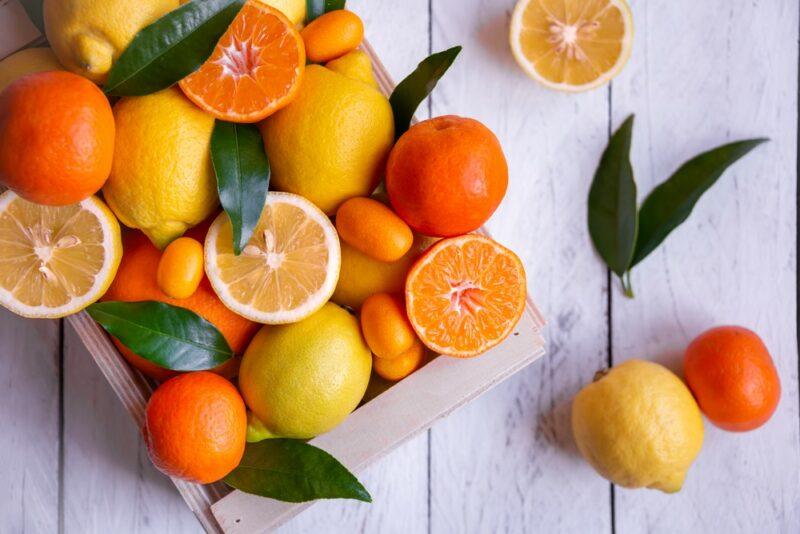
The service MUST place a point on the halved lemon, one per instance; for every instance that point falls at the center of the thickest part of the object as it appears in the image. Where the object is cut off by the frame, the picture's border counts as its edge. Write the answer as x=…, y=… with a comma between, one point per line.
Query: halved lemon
x=287, y=271
x=572, y=45
x=55, y=260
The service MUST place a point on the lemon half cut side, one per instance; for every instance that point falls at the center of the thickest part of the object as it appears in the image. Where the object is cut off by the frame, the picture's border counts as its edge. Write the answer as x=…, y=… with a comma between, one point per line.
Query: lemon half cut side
x=287, y=271
x=55, y=260
x=572, y=45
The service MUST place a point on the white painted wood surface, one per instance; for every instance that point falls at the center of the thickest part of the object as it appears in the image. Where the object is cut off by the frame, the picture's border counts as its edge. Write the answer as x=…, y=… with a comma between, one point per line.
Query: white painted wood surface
x=701, y=73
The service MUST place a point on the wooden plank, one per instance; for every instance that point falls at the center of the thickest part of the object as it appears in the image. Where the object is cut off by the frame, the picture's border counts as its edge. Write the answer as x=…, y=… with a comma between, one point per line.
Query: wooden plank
x=703, y=73
x=109, y=483
x=403, y=411
x=398, y=483
x=507, y=463
x=29, y=443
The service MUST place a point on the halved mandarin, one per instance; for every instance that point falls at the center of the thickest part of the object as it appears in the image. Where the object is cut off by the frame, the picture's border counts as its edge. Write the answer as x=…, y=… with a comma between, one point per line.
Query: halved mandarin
x=572, y=45
x=255, y=69
x=465, y=295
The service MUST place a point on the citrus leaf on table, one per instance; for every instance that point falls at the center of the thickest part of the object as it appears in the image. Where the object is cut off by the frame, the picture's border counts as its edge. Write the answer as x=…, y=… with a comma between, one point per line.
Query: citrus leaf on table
x=169, y=336
x=416, y=87
x=293, y=471
x=317, y=8
x=612, y=202
x=171, y=48
x=671, y=203
x=243, y=172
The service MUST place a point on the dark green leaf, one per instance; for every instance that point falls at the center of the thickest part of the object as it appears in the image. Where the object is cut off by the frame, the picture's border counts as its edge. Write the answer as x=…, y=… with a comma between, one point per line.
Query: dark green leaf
x=171, y=48
x=243, y=172
x=612, y=202
x=316, y=8
x=671, y=203
x=416, y=87
x=171, y=337
x=294, y=471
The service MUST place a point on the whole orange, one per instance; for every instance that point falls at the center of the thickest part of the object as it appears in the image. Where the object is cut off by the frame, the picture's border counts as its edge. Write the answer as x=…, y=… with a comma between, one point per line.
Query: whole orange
x=56, y=138
x=195, y=427
x=731, y=374
x=136, y=281
x=446, y=176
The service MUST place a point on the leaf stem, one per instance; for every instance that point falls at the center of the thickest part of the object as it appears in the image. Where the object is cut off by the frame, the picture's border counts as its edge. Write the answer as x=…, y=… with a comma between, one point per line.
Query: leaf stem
x=627, y=287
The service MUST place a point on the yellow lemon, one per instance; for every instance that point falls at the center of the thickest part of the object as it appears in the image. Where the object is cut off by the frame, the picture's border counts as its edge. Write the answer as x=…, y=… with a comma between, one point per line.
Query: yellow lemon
x=572, y=45
x=345, y=129
x=303, y=379
x=89, y=35
x=26, y=62
x=162, y=180
x=638, y=426
x=355, y=65
x=55, y=260
x=361, y=275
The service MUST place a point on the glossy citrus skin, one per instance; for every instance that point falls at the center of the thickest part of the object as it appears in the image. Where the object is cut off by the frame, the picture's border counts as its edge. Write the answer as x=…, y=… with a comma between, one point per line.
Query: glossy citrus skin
x=638, y=426
x=400, y=366
x=385, y=326
x=256, y=68
x=137, y=280
x=373, y=228
x=446, y=176
x=195, y=427
x=56, y=138
x=332, y=35
x=180, y=269
x=731, y=373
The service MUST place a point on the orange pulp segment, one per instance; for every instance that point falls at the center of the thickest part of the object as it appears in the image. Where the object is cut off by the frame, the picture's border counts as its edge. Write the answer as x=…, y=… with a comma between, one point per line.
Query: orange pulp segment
x=255, y=69
x=465, y=295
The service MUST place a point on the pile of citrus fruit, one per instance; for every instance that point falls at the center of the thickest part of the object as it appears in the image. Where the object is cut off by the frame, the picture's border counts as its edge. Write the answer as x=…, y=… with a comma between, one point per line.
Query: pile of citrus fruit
x=360, y=258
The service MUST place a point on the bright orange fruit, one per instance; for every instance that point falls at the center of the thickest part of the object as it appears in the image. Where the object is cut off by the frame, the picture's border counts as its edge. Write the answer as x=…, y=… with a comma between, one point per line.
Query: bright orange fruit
x=332, y=35
x=255, y=70
x=401, y=366
x=731, y=373
x=195, y=427
x=465, y=295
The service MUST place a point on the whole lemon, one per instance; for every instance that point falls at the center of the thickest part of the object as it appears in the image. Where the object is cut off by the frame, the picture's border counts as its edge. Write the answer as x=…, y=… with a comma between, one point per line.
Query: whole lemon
x=162, y=180
x=332, y=142
x=302, y=379
x=27, y=61
x=355, y=65
x=638, y=426
x=89, y=35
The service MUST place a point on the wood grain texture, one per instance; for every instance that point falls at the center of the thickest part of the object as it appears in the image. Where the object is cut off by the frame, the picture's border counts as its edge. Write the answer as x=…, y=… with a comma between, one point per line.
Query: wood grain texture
x=109, y=483
x=506, y=462
x=399, y=482
x=695, y=85
x=29, y=441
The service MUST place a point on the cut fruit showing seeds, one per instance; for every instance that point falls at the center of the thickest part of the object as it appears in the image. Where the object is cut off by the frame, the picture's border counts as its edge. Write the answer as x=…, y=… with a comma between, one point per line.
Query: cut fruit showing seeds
x=55, y=260
x=572, y=45
x=465, y=295
x=287, y=271
x=255, y=69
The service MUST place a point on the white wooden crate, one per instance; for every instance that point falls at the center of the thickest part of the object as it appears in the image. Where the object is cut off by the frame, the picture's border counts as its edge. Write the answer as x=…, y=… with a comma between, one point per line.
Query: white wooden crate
x=370, y=432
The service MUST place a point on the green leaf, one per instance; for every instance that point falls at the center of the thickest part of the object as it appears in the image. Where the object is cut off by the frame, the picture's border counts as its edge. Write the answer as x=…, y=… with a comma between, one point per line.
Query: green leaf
x=416, y=87
x=612, y=202
x=294, y=471
x=171, y=48
x=243, y=172
x=317, y=8
x=169, y=336
x=671, y=203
